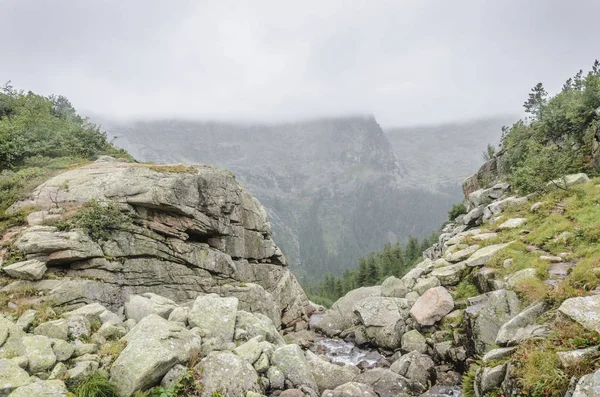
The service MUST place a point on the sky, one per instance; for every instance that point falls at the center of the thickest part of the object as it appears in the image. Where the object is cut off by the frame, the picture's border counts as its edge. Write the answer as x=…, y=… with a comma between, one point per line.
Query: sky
x=405, y=62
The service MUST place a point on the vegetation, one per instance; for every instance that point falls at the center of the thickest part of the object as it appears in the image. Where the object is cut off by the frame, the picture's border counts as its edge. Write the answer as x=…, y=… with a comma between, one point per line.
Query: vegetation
x=97, y=218
x=39, y=137
x=489, y=152
x=175, y=168
x=468, y=380
x=393, y=260
x=457, y=210
x=95, y=386
x=189, y=385
x=558, y=137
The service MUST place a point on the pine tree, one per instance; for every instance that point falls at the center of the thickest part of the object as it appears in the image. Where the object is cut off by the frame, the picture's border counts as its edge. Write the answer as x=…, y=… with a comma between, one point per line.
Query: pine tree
x=372, y=270
x=536, y=101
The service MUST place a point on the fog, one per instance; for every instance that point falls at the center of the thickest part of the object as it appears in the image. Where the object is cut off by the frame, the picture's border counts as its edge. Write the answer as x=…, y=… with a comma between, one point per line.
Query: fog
x=406, y=62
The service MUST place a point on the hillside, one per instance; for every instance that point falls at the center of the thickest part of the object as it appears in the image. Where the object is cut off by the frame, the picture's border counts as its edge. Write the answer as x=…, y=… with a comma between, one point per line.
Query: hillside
x=330, y=186
x=439, y=157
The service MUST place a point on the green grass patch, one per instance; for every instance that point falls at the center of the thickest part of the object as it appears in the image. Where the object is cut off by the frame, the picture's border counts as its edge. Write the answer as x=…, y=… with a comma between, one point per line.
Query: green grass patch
x=173, y=168
x=95, y=386
x=465, y=289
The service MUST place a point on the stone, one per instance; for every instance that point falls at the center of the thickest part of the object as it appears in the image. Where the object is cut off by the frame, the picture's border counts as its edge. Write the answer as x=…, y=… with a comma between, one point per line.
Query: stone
x=27, y=270
x=385, y=383
x=394, y=288
x=424, y=284
x=215, y=317
x=482, y=255
x=229, y=374
x=11, y=377
x=81, y=372
x=432, y=306
x=328, y=375
x=568, y=181
x=417, y=367
x=45, y=388
x=473, y=217
x=512, y=223
x=108, y=317
x=523, y=326
x=154, y=346
x=57, y=329
x=39, y=353
x=486, y=315
x=536, y=206
x=341, y=315
x=521, y=276
x=584, y=310
x=290, y=360
x=450, y=275
x=418, y=271
x=351, y=389
x=79, y=326
x=110, y=331
x=461, y=255
x=91, y=312
x=251, y=350
x=248, y=325
x=573, y=358
x=59, y=371
x=588, y=385
x=179, y=315
x=498, y=354
x=276, y=378
x=63, y=350
x=414, y=341
x=139, y=306
x=82, y=349
x=26, y=319
x=491, y=378
x=483, y=278
x=551, y=258
x=497, y=207
x=174, y=375
x=383, y=319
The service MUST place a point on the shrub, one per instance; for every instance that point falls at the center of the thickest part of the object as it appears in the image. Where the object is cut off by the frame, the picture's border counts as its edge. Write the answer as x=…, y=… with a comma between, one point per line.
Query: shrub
x=468, y=380
x=457, y=209
x=466, y=289
x=96, y=386
x=97, y=218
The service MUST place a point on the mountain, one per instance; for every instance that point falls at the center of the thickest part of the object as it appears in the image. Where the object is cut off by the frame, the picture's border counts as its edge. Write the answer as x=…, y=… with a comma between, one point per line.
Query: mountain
x=333, y=188
x=442, y=156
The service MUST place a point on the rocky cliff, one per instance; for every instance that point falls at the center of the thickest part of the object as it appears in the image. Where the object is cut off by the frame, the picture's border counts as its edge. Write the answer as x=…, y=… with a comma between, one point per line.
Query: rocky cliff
x=329, y=185
x=190, y=230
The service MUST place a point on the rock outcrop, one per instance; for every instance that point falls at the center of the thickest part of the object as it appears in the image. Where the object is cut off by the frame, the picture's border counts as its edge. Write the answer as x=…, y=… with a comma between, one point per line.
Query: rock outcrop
x=193, y=230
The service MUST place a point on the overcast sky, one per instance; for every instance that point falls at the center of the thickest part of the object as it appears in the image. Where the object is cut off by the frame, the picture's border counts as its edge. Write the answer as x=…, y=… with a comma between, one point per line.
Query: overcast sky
x=406, y=62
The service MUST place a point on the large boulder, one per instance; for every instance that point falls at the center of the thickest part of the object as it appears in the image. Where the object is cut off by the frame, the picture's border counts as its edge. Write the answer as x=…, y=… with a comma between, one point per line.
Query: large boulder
x=432, y=306
x=328, y=375
x=486, y=315
x=584, y=310
x=45, y=388
x=417, y=367
x=139, y=306
x=290, y=360
x=11, y=377
x=215, y=317
x=394, y=287
x=250, y=325
x=588, y=385
x=32, y=269
x=342, y=315
x=383, y=319
x=228, y=374
x=569, y=180
x=154, y=346
x=482, y=255
x=522, y=327
x=39, y=353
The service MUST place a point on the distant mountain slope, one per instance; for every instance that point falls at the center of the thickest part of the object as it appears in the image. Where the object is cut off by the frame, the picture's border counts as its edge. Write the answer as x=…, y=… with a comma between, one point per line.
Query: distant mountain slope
x=442, y=156
x=333, y=187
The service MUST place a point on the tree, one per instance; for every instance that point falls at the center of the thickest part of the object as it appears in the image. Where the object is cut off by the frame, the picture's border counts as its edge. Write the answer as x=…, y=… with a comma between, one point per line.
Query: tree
x=536, y=101
x=489, y=152
x=362, y=275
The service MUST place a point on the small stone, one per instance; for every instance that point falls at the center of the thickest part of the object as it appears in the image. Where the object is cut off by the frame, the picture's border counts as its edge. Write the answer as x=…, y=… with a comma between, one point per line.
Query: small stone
x=551, y=258
x=27, y=270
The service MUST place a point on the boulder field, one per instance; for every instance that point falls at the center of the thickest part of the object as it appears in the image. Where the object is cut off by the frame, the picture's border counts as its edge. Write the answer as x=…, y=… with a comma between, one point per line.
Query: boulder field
x=189, y=295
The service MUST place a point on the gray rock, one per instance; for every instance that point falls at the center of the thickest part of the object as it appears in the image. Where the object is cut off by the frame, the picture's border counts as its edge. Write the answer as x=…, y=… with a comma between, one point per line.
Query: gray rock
x=251, y=350
x=584, y=310
x=569, y=180
x=473, y=217
x=249, y=325
x=179, y=315
x=276, y=378
x=523, y=327
x=79, y=326
x=482, y=255
x=82, y=371
x=140, y=306
x=450, y=275
x=486, y=315
x=573, y=358
x=424, y=284
x=491, y=378
x=432, y=306
x=229, y=374
x=215, y=317
x=383, y=319
x=417, y=367
x=174, y=376
x=418, y=271
x=454, y=256
x=588, y=385
x=328, y=375
x=393, y=287
x=341, y=316
x=26, y=319
x=32, y=269
x=62, y=350
x=154, y=346
x=45, y=388
x=11, y=377
x=39, y=353
x=385, y=382
x=291, y=361
x=520, y=276
x=351, y=389
x=59, y=371
x=497, y=354
x=414, y=341
x=512, y=223
x=91, y=312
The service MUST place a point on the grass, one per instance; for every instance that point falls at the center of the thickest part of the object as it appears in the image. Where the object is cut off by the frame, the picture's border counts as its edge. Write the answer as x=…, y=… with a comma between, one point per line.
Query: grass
x=465, y=289
x=531, y=289
x=95, y=386
x=112, y=349
x=468, y=380
x=174, y=168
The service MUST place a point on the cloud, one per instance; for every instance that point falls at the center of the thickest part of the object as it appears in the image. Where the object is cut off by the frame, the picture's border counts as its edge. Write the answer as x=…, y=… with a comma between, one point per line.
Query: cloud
x=406, y=62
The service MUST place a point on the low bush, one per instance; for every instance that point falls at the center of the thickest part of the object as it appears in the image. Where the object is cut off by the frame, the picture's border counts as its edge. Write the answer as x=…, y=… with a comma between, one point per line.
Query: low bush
x=457, y=210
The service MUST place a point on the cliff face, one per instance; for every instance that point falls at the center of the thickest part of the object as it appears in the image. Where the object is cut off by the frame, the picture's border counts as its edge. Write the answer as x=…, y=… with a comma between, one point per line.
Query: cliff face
x=191, y=230
x=333, y=188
